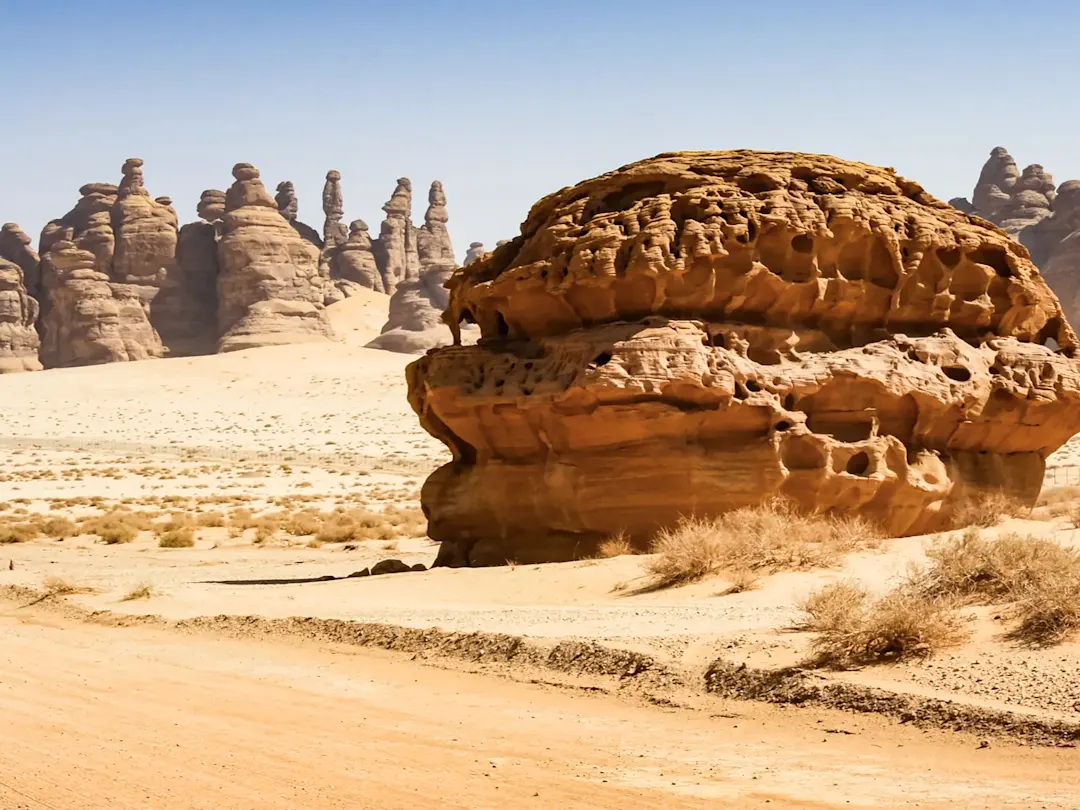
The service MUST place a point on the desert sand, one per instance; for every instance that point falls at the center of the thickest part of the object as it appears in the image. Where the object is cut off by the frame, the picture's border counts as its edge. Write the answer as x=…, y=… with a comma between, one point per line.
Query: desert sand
x=191, y=719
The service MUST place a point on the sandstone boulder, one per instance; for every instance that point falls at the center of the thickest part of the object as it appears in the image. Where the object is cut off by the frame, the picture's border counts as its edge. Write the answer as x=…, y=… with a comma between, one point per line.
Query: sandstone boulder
x=269, y=288
x=475, y=253
x=353, y=262
x=699, y=331
x=91, y=312
x=19, y=342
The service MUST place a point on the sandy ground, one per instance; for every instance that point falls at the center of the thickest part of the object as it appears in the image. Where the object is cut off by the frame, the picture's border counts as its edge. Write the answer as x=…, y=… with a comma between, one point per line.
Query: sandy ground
x=105, y=718
x=328, y=426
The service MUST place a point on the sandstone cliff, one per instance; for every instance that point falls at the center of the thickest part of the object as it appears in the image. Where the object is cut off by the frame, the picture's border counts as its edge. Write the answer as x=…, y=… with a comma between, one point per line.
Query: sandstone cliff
x=195, y=276
x=19, y=342
x=699, y=331
x=17, y=248
x=396, y=245
x=269, y=288
x=353, y=262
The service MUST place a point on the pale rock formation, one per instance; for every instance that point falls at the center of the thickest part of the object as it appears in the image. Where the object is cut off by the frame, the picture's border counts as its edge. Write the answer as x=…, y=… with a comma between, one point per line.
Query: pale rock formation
x=476, y=252
x=1048, y=233
x=700, y=331
x=269, y=288
x=1063, y=273
x=353, y=263
x=289, y=207
x=196, y=274
x=333, y=205
x=996, y=180
x=17, y=247
x=396, y=245
x=415, y=319
x=91, y=313
x=211, y=205
x=19, y=342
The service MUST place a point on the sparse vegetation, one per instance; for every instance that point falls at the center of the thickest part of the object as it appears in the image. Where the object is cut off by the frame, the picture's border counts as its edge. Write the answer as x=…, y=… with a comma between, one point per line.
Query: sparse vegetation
x=985, y=509
x=616, y=546
x=18, y=532
x=56, y=586
x=59, y=528
x=178, y=538
x=854, y=629
x=767, y=538
x=117, y=526
x=143, y=591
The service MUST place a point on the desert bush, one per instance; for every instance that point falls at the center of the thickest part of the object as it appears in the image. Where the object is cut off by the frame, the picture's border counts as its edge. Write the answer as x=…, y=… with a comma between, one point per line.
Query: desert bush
x=617, y=545
x=854, y=629
x=57, y=586
x=1048, y=611
x=210, y=520
x=974, y=568
x=59, y=528
x=178, y=538
x=767, y=538
x=985, y=509
x=303, y=523
x=18, y=532
x=143, y=591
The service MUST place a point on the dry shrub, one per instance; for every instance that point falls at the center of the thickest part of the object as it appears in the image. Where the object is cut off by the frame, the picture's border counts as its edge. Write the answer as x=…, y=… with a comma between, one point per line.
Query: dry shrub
x=178, y=538
x=1047, y=612
x=18, y=532
x=210, y=520
x=984, y=509
x=854, y=629
x=767, y=538
x=741, y=581
x=117, y=526
x=56, y=586
x=303, y=523
x=59, y=528
x=143, y=591
x=616, y=546
x=176, y=521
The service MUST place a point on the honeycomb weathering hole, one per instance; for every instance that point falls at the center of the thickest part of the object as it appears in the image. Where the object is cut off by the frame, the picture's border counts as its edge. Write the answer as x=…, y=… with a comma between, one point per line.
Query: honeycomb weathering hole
x=858, y=464
x=957, y=373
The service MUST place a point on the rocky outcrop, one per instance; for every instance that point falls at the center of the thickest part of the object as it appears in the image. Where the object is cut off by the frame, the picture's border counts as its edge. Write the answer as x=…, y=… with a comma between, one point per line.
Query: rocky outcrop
x=17, y=247
x=415, y=320
x=700, y=331
x=1063, y=273
x=475, y=252
x=99, y=274
x=289, y=207
x=19, y=342
x=195, y=276
x=353, y=261
x=396, y=245
x=333, y=205
x=269, y=288
x=1044, y=237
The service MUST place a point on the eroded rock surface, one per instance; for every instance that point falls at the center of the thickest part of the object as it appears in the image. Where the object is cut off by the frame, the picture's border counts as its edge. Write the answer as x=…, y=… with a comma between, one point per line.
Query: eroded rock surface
x=96, y=286
x=269, y=288
x=396, y=244
x=19, y=342
x=699, y=331
x=195, y=277
x=353, y=261
x=17, y=248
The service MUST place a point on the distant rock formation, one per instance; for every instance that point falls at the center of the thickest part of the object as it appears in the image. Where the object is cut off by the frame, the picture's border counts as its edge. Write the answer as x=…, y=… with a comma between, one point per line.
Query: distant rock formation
x=397, y=242
x=353, y=263
x=17, y=247
x=90, y=311
x=415, y=319
x=289, y=207
x=1041, y=217
x=333, y=206
x=19, y=342
x=476, y=251
x=269, y=288
x=196, y=275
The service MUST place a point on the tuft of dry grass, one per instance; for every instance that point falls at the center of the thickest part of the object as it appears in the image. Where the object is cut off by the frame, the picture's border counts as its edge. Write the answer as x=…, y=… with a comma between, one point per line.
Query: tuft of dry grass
x=985, y=509
x=741, y=581
x=117, y=526
x=767, y=538
x=59, y=528
x=56, y=586
x=178, y=538
x=616, y=546
x=143, y=591
x=853, y=629
x=18, y=532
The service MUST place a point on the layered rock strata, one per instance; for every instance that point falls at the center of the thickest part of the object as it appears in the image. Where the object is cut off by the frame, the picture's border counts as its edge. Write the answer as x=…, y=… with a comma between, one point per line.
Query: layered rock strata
x=353, y=262
x=269, y=288
x=17, y=247
x=196, y=273
x=697, y=332
x=19, y=342
x=289, y=207
x=395, y=249
x=91, y=312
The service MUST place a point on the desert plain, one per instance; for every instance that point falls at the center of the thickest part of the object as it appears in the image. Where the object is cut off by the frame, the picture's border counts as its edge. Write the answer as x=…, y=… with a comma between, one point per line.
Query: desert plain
x=254, y=664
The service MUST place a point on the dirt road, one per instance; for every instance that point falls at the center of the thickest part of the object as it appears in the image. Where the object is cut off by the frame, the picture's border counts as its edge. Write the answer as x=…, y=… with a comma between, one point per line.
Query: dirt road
x=94, y=717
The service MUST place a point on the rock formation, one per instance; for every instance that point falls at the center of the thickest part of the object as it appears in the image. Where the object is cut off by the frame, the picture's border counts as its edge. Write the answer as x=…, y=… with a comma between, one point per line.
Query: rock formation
x=353, y=261
x=700, y=331
x=415, y=319
x=196, y=275
x=99, y=271
x=476, y=251
x=1063, y=273
x=269, y=288
x=19, y=342
x=289, y=207
x=333, y=206
x=396, y=245
x=17, y=247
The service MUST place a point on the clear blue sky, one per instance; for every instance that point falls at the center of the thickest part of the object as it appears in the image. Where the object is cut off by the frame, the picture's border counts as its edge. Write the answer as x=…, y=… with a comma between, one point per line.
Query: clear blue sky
x=507, y=101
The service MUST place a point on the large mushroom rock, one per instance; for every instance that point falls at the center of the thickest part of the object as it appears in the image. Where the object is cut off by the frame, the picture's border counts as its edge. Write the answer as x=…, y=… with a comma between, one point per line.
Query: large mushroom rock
x=415, y=320
x=396, y=238
x=700, y=331
x=289, y=207
x=19, y=342
x=996, y=180
x=17, y=247
x=269, y=288
x=195, y=276
x=88, y=314
x=353, y=263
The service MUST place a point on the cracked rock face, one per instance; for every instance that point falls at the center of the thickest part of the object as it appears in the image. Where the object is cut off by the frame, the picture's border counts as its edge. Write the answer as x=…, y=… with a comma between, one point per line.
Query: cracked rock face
x=19, y=342
x=700, y=331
